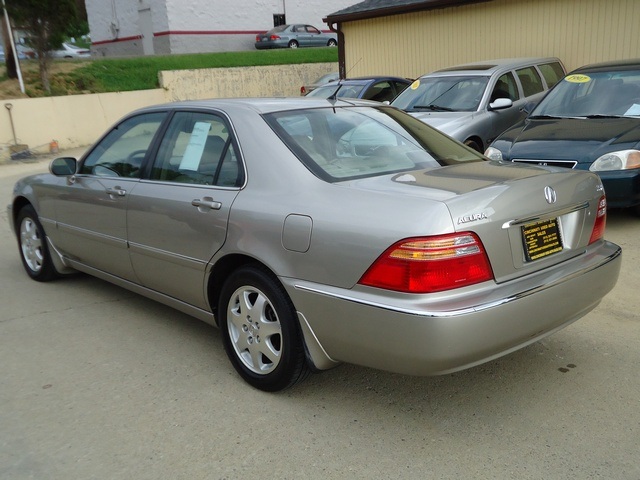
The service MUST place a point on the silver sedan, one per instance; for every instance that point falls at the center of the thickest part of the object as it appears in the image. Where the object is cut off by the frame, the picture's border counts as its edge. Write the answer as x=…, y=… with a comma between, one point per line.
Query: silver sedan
x=294, y=36
x=315, y=232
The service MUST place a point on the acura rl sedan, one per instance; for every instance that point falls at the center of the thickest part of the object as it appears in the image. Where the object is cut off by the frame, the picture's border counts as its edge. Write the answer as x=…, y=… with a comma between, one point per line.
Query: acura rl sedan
x=314, y=232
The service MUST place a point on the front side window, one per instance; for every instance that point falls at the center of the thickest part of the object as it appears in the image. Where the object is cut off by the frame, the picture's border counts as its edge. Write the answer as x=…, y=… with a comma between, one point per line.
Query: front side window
x=121, y=152
x=198, y=149
x=505, y=88
x=347, y=143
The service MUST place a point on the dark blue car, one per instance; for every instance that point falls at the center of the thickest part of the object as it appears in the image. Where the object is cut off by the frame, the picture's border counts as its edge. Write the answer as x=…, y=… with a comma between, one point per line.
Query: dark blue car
x=379, y=88
x=588, y=121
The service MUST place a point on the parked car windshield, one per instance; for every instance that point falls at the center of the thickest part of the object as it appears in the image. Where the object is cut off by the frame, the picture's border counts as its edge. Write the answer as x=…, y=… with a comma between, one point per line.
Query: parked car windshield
x=338, y=143
x=613, y=93
x=455, y=94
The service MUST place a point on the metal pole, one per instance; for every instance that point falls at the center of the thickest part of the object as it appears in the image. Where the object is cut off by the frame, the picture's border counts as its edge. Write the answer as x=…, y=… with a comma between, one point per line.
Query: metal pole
x=13, y=47
x=9, y=106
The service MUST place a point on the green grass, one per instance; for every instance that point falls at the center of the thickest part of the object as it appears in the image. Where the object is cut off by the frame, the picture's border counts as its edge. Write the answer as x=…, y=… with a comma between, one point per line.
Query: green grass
x=141, y=73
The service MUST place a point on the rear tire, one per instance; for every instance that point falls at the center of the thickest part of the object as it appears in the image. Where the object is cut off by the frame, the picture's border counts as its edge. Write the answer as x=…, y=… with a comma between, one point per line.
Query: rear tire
x=34, y=251
x=260, y=330
x=293, y=44
x=332, y=43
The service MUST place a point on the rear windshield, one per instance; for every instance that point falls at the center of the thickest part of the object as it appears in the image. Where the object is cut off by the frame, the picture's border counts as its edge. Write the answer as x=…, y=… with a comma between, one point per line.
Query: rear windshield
x=343, y=143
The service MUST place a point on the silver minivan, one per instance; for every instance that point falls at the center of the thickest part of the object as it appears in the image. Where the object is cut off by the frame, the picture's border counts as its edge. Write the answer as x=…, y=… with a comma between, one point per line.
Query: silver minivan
x=476, y=102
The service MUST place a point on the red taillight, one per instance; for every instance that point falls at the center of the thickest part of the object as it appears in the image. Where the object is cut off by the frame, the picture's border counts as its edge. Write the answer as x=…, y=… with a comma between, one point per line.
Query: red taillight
x=274, y=37
x=257, y=38
x=601, y=221
x=430, y=264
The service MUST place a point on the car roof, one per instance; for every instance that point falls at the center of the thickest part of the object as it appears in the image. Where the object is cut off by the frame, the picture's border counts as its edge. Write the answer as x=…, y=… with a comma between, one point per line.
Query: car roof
x=259, y=104
x=489, y=67
x=364, y=80
x=628, y=64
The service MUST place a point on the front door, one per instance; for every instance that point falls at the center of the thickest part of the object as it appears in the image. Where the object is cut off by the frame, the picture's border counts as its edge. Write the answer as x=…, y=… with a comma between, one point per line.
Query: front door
x=91, y=207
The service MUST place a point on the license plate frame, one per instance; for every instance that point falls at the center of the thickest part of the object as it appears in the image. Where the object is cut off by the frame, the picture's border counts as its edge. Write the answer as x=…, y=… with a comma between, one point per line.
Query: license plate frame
x=541, y=239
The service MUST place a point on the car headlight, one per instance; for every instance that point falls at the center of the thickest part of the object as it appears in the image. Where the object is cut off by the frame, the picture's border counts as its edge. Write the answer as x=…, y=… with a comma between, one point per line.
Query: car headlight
x=493, y=154
x=622, y=160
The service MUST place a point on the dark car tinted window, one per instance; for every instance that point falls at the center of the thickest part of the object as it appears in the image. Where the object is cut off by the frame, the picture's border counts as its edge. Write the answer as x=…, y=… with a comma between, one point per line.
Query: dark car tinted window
x=380, y=91
x=530, y=81
x=347, y=143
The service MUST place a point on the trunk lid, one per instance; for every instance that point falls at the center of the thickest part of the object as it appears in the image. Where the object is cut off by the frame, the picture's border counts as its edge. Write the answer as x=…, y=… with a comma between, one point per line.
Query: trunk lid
x=505, y=203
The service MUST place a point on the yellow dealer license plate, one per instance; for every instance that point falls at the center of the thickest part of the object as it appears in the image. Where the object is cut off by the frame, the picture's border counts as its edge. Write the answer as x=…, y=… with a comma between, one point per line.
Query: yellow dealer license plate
x=541, y=239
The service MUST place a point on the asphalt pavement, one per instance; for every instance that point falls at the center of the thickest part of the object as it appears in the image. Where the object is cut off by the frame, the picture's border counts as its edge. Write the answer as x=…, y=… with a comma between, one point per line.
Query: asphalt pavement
x=100, y=383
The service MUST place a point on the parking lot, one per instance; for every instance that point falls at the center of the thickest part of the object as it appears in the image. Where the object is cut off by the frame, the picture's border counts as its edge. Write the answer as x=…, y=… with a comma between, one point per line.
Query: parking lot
x=100, y=383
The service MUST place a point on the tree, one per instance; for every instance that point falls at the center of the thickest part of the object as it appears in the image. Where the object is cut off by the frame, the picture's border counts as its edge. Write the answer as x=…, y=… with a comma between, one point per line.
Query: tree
x=47, y=23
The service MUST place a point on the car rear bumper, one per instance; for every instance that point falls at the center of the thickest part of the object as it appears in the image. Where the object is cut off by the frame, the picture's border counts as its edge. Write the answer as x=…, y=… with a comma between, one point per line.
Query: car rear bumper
x=410, y=334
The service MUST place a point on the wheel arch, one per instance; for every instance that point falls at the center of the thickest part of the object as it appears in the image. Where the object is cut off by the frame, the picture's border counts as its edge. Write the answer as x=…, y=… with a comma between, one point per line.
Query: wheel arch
x=317, y=358
x=221, y=271
x=477, y=140
x=18, y=204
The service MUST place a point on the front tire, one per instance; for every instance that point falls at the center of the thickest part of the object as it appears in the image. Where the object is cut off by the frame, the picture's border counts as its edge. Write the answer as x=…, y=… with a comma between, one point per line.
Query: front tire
x=260, y=330
x=32, y=241
x=471, y=143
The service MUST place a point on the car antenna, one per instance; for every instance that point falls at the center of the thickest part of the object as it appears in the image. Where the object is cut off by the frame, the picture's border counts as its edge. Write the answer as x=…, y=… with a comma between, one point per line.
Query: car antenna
x=333, y=97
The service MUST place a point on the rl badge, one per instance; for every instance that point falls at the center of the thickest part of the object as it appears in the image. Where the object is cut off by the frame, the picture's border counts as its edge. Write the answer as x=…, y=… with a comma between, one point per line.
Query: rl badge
x=541, y=239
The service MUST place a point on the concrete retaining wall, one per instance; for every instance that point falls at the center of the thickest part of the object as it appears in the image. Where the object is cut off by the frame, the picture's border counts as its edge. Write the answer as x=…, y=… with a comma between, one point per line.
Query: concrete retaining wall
x=78, y=120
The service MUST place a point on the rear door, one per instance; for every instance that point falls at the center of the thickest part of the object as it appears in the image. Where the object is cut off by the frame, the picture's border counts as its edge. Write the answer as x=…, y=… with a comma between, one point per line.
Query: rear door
x=178, y=217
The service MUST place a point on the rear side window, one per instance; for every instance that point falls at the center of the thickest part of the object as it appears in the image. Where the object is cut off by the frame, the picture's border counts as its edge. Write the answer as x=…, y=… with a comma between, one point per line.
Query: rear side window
x=198, y=149
x=530, y=81
x=552, y=73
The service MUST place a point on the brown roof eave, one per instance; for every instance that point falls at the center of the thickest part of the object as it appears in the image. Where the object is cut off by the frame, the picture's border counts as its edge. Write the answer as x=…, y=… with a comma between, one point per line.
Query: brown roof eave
x=397, y=10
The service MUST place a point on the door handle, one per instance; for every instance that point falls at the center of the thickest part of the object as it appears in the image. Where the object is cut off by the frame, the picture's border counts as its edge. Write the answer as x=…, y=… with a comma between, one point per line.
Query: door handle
x=116, y=191
x=206, y=202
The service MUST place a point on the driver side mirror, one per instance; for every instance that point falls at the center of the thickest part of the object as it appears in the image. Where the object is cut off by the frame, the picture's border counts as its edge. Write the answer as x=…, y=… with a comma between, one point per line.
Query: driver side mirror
x=63, y=166
x=500, y=104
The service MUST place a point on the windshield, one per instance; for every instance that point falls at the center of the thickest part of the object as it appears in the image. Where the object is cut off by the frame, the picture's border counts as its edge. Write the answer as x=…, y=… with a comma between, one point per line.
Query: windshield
x=614, y=93
x=346, y=91
x=455, y=94
x=342, y=143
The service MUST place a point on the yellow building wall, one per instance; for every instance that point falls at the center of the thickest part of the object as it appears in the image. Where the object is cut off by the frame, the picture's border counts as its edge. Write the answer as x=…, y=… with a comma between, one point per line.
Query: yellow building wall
x=577, y=31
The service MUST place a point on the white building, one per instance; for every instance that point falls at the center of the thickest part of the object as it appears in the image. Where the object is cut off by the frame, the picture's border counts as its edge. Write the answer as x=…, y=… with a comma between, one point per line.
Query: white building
x=147, y=27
